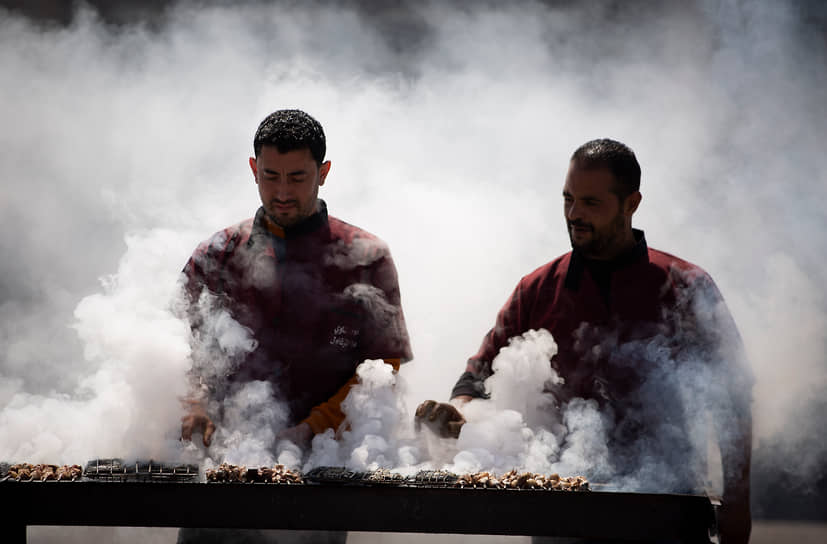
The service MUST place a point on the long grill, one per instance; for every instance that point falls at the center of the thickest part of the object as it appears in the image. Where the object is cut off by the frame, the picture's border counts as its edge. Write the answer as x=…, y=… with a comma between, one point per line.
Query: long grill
x=151, y=494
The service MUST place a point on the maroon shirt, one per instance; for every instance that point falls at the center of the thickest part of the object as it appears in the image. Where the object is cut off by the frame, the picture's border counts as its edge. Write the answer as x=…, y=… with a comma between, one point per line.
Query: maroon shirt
x=318, y=298
x=628, y=332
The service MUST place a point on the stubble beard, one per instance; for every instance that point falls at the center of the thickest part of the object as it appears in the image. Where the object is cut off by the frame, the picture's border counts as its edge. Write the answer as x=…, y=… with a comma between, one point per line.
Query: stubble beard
x=283, y=221
x=603, y=242
x=295, y=218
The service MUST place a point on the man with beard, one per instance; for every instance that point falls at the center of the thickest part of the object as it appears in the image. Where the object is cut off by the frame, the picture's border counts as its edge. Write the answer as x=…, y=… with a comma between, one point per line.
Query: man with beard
x=644, y=334
x=316, y=297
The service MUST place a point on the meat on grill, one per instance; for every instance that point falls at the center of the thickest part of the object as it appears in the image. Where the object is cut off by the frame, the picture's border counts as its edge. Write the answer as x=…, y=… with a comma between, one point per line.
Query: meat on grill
x=114, y=469
x=43, y=472
x=278, y=474
x=523, y=480
x=429, y=478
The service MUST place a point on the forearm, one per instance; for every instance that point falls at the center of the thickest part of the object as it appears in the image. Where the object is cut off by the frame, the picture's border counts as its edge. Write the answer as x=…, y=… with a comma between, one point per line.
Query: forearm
x=471, y=383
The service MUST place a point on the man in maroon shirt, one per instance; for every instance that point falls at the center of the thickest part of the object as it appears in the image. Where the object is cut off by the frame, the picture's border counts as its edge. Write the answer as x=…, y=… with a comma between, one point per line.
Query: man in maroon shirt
x=645, y=334
x=316, y=295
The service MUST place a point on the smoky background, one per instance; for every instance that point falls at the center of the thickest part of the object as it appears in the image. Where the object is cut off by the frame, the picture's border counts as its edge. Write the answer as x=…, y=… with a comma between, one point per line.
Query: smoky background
x=126, y=129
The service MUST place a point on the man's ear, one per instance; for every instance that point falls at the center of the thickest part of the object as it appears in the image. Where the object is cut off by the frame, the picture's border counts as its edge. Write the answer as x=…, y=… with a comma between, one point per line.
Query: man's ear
x=631, y=203
x=254, y=168
x=324, y=168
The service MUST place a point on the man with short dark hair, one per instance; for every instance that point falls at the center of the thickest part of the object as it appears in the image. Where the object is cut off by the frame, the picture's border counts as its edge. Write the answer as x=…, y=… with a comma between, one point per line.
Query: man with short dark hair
x=318, y=296
x=644, y=333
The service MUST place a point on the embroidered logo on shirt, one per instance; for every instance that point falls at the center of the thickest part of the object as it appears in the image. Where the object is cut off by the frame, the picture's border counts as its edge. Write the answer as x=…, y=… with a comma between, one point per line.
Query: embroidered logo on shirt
x=344, y=337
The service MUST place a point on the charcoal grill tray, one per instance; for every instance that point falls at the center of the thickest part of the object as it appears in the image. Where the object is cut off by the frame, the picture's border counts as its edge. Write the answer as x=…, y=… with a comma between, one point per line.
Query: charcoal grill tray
x=117, y=470
x=595, y=514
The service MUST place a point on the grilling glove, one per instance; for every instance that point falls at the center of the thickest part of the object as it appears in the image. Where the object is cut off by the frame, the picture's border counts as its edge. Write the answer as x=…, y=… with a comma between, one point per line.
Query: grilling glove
x=441, y=417
x=197, y=421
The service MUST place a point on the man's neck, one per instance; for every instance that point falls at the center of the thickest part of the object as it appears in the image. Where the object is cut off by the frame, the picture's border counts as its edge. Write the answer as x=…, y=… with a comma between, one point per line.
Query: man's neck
x=617, y=252
x=283, y=231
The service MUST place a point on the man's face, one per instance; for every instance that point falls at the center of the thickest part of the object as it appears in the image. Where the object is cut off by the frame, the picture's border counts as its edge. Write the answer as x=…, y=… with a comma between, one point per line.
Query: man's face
x=599, y=224
x=288, y=183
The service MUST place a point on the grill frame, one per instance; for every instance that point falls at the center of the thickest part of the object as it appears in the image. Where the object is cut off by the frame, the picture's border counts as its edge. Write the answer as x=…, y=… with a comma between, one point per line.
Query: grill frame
x=593, y=514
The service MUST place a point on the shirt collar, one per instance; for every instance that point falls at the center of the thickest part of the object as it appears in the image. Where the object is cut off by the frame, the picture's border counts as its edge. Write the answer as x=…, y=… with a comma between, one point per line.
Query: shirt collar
x=264, y=229
x=263, y=225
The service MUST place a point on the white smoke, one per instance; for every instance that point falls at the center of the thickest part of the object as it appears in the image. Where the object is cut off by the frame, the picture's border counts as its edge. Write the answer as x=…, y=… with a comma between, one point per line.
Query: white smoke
x=129, y=405
x=451, y=146
x=523, y=426
x=522, y=377
x=246, y=434
x=376, y=433
x=220, y=342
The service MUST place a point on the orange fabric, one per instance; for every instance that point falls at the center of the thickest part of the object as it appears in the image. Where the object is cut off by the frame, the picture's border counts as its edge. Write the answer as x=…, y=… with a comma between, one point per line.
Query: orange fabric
x=329, y=415
x=274, y=229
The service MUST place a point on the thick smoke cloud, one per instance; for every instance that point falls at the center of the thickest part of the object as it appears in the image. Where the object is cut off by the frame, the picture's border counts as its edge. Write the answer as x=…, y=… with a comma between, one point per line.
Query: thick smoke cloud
x=449, y=130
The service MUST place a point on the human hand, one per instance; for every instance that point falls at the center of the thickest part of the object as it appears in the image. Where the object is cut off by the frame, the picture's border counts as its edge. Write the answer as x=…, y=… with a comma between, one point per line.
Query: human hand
x=197, y=421
x=441, y=417
x=301, y=435
x=734, y=521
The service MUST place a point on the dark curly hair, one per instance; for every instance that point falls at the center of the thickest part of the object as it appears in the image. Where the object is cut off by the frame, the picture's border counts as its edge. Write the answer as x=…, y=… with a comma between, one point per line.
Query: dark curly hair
x=615, y=157
x=289, y=130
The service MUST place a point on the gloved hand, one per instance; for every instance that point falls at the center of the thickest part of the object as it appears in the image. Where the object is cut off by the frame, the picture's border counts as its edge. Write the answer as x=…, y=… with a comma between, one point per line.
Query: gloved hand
x=197, y=421
x=441, y=417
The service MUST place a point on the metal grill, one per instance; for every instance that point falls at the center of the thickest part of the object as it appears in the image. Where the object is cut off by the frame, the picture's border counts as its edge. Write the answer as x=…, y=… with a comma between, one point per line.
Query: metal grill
x=343, y=476
x=151, y=494
x=115, y=470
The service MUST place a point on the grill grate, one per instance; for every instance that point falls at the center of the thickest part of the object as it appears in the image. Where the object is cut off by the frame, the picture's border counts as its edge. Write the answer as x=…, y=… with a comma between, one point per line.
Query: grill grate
x=441, y=479
x=115, y=470
x=435, y=478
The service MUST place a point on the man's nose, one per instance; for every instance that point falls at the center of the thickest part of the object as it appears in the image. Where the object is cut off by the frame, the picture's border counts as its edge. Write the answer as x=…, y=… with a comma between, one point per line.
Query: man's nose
x=282, y=190
x=573, y=211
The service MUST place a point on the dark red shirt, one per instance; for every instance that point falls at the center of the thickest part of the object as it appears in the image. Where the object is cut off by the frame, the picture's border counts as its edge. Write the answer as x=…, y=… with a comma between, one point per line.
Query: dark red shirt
x=633, y=334
x=318, y=299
